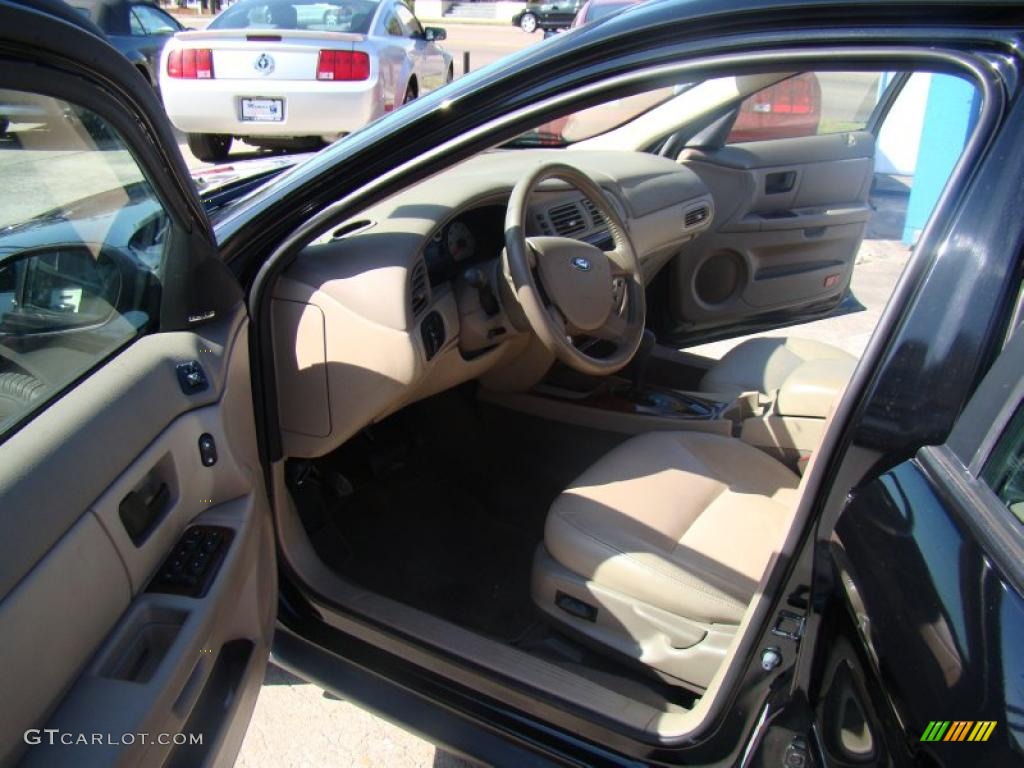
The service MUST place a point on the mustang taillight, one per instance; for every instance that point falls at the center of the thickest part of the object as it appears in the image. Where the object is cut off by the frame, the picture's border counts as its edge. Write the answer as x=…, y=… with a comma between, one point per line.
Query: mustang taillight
x=190, y=64
x=343, y=65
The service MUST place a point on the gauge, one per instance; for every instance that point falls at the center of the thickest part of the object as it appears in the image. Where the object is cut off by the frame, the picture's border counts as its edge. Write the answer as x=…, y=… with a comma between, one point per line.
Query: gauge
x=460, y=241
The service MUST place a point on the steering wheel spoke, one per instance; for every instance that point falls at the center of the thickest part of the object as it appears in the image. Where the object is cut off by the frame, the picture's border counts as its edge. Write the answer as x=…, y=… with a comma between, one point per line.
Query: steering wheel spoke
x=531, y=253
x=619, y=261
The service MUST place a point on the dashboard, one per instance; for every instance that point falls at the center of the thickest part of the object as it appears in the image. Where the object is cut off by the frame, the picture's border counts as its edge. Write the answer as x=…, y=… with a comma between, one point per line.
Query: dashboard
x=384, y=310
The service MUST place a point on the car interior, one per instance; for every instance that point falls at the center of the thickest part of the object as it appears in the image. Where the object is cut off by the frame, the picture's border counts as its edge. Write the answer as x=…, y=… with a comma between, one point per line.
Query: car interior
x=498, y=445
x=487, y=445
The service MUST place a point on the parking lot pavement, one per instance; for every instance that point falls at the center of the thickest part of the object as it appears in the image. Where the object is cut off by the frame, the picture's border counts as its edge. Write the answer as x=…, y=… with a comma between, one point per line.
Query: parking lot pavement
x=297, y=724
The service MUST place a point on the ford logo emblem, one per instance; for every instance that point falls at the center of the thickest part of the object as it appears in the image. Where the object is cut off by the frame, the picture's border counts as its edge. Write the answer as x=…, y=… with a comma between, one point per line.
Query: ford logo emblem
x=581, y=263
x=264, y=64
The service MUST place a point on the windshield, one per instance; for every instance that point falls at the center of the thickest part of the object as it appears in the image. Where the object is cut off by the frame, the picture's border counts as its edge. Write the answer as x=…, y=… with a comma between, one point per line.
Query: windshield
x=338, y=16
x=594, y=121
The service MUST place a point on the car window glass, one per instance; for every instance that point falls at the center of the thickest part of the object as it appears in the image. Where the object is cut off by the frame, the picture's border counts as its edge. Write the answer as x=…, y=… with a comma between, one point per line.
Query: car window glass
x=1004, y=470
x=409, y=22
x=394, y=26
x=82, y=245
x=135, y=24
x=337, y=16
x=808, y=104
x=596, y=120
x=153, y=21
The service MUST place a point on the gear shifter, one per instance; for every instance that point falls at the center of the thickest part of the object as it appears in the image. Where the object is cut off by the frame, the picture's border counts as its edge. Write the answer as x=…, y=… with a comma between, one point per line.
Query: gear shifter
x=664, y=401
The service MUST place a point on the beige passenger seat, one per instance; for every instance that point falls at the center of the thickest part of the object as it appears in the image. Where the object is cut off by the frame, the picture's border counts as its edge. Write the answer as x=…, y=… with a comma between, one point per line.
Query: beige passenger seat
x=764, y=364
x=657, y=550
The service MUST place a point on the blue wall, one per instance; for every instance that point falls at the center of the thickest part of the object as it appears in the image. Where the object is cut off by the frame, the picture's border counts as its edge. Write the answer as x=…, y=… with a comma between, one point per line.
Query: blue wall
x=949, y=119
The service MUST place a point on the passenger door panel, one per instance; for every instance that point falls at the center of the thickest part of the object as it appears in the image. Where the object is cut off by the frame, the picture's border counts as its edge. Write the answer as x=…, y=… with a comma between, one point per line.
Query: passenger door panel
x=790, y=216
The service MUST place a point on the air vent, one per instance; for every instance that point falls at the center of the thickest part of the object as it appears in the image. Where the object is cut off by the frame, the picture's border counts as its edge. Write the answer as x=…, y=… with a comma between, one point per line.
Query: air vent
x=596, y=217
x=567, y=219
x=696, y=216
x=419, y=289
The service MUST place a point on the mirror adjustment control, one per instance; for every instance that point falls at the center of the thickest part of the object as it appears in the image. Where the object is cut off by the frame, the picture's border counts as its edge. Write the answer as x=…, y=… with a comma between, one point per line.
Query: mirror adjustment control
x=207, y=450
x=192, y=377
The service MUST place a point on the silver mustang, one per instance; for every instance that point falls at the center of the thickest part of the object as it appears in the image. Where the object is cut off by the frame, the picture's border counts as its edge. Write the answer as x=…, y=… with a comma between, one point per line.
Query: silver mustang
x=276, y=71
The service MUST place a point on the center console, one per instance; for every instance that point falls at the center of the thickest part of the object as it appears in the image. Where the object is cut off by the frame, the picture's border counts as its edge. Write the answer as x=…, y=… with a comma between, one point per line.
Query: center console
x=634, y=393
x=616, y=395
x=787, y=423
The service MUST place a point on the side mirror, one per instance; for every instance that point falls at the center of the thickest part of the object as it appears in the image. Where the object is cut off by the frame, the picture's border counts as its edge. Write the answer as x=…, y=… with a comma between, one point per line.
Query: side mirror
x=434, y=34
x=60, y=288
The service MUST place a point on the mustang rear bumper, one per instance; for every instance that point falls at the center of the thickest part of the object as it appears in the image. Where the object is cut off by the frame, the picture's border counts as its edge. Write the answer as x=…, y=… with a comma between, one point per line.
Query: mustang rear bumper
x=310, y=108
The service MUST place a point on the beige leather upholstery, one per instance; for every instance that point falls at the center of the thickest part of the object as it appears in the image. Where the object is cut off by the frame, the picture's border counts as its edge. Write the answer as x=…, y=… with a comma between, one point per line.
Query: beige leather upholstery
x=763, y=365
x=678, y=526
x=813, y=387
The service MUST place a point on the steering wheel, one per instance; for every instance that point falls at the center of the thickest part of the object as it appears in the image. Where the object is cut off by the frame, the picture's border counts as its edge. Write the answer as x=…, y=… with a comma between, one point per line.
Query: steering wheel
x=572, y=293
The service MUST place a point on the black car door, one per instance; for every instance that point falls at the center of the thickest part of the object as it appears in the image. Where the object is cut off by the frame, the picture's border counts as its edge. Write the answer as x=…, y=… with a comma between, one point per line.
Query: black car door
x=929, y=559
x=137, y=581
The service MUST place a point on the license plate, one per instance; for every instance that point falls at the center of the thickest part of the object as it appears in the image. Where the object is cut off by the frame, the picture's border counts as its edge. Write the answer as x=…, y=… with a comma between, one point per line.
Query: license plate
x=263, y=110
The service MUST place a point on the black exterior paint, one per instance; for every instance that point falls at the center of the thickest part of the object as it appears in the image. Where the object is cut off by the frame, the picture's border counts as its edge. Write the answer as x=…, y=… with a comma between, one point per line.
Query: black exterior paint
x=947, y=343
x=944, y=627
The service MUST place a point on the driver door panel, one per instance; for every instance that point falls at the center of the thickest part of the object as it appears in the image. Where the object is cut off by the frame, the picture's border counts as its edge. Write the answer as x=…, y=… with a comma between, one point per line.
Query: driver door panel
x=89, y=647
x=126, y=421
x=790, y=216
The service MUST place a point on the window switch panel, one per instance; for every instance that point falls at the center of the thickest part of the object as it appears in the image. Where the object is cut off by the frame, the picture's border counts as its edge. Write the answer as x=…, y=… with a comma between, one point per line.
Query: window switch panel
x=193, y=563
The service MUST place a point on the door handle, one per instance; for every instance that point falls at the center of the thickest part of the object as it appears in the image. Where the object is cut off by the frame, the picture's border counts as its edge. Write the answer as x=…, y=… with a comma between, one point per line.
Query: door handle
x=140, y=512
x=779, y=182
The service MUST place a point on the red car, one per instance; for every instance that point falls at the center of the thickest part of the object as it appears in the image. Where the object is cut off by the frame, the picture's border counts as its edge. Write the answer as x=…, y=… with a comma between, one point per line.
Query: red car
x=787, y=109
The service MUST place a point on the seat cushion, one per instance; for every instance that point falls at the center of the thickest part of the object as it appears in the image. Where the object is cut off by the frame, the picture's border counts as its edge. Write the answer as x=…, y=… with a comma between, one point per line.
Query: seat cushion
x=762, y=365
x=683, y=521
